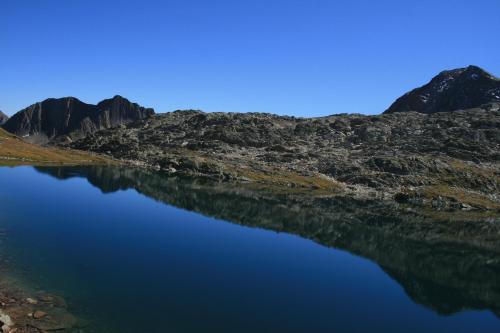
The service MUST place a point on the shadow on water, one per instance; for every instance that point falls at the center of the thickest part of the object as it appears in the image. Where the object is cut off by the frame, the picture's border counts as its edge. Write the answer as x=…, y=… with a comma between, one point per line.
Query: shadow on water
x=444, y=276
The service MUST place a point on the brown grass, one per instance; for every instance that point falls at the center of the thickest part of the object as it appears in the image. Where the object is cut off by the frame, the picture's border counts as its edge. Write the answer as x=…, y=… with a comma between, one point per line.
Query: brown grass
x=290, y=180
x=15, y=151
x=483, y=172
x=466, y=196
x=275, y=179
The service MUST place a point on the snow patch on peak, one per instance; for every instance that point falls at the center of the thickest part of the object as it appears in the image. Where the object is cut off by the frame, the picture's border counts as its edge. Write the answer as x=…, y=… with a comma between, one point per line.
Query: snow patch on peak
x=495, y=93
x=425, y=98
x=444, y=83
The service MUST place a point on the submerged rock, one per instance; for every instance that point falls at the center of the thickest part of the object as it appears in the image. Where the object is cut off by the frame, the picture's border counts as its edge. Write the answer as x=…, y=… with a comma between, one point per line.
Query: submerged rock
x=38, y=314
x=21, y=313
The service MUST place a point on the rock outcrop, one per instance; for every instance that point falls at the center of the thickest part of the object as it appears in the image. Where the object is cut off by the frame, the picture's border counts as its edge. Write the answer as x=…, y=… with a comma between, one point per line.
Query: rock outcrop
x=66, y=119
x=3, y=118
x=452, y=90
x=454, y=155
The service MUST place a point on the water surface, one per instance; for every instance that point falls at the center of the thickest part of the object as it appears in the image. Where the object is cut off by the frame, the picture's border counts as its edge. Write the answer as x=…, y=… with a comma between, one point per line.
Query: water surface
x=135, y=251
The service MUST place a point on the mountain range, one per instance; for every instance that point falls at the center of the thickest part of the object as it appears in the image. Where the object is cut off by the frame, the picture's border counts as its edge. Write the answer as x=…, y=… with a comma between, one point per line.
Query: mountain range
x=437, y=146
x=68, y=118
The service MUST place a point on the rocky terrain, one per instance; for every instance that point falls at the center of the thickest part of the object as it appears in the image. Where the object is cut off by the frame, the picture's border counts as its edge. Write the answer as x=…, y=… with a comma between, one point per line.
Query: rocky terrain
x=33, y=313
x=3, y=118
x=445, y=160
x=452, y=90
x=437, y=146
x=65, y=119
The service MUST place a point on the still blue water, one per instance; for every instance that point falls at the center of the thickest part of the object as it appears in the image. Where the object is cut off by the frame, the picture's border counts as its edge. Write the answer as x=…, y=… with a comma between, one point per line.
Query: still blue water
x=129, y=263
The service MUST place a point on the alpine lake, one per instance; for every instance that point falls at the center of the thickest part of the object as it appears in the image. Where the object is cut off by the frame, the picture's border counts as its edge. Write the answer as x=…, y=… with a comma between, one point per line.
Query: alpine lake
x=127, y=250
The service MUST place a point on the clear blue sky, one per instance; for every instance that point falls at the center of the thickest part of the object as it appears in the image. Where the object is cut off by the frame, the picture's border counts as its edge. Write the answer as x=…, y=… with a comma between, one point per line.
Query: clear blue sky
x=306, y=58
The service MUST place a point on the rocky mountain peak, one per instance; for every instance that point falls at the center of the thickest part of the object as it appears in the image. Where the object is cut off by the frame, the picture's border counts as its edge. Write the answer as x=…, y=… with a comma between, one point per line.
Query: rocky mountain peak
x=118, y=101
x=451, y=90
x=114, y=99
x=68, y=118
x=470, y=73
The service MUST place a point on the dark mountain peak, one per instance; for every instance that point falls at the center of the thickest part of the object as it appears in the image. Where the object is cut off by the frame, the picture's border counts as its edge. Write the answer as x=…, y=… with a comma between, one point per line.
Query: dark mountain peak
x=71, y=118
x=116, y=98
x=116, y=102
x=121, y=108
x=480, y=72
x=57, y=102
x=471, y=72
x=60, y=99
x=451, y=90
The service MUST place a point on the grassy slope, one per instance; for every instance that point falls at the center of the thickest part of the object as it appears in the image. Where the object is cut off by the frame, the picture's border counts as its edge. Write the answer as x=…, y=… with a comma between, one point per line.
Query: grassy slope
x=15, y=151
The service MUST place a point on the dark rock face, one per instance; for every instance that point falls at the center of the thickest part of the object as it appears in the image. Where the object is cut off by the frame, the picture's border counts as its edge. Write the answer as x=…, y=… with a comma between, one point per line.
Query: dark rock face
x=69, y=118
x=3, y=118
x=457, y=89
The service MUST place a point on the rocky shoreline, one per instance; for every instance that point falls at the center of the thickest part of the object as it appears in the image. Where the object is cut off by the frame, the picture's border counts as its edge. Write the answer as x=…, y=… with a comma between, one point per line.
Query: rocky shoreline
x=24, y=309
x=23, y=312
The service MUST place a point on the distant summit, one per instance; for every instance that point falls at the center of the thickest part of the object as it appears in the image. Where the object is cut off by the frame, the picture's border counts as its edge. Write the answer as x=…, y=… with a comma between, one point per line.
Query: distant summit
x=69, y=118
x=3, y=118
x=458, y=89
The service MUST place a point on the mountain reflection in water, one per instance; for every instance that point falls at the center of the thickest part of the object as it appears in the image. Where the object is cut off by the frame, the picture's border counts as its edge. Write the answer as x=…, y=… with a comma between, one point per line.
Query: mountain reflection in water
x=442, y=276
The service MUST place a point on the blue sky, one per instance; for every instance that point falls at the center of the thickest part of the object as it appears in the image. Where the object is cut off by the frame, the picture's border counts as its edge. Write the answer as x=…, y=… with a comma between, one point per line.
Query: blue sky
x=303, y=58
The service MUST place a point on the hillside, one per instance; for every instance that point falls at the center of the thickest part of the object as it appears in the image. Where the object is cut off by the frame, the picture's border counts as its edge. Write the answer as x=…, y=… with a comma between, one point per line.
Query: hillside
x=15, y=151
x=426, y=157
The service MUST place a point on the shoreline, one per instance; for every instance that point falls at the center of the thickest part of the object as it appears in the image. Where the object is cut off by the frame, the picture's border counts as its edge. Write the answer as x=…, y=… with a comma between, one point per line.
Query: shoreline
x=480, y=228
x=22, y=310
x=392, y=235
x=25, y=309
x=436, y=208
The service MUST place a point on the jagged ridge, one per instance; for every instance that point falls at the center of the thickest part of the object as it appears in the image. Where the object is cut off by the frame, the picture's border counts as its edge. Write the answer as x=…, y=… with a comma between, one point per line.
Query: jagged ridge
x=69, y=118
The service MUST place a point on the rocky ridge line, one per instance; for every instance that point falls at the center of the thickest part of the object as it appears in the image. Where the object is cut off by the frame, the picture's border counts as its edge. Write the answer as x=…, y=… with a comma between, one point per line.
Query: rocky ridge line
x=452, y=90
x=66, y=119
